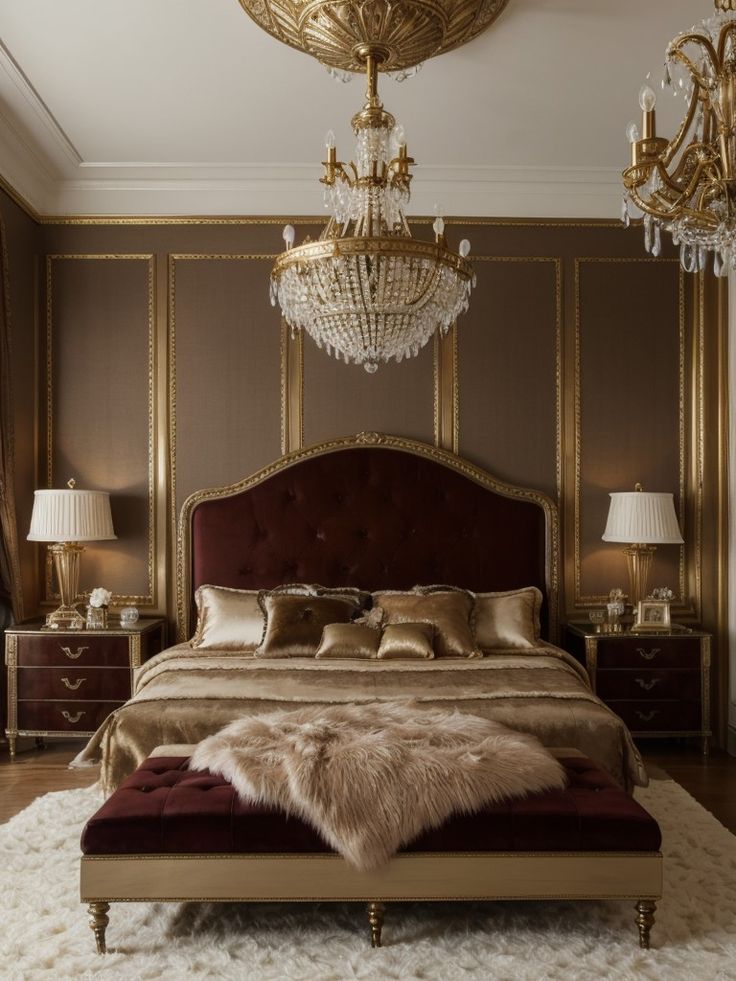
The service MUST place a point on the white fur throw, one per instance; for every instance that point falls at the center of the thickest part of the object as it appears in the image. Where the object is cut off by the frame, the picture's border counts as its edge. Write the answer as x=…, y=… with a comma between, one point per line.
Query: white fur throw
x=371, y=777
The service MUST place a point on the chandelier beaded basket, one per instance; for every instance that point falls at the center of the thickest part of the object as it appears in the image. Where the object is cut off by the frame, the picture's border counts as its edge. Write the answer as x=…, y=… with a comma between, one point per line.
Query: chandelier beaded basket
x=687, y=185
x=367, y=291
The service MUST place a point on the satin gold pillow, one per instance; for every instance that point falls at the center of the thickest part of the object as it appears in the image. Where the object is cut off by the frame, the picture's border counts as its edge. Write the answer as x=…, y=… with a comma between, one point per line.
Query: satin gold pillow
x=227, y=619
x=294, y=624
x=354, y=640
x=448, y=612
x=406, y=640
x=509, y=619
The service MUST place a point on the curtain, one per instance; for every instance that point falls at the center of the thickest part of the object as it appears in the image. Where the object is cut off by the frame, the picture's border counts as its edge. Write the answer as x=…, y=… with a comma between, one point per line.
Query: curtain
x=10, y=581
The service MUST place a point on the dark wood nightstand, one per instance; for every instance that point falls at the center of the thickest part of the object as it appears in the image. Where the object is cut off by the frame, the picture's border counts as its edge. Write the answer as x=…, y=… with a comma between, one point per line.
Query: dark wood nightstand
x=658, y=683
x=65, y=683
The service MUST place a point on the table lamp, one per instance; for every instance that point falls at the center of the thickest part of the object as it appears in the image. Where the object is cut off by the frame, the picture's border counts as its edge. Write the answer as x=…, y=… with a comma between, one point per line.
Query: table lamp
x=644, y=519
x=66, y=518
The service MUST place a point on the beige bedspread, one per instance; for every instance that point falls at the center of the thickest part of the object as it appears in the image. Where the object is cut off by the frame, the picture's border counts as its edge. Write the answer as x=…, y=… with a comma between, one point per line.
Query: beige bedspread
x=182, y=695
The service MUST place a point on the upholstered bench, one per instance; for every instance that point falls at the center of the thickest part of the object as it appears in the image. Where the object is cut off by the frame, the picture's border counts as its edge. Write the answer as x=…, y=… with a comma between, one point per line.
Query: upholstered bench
x=170, y=834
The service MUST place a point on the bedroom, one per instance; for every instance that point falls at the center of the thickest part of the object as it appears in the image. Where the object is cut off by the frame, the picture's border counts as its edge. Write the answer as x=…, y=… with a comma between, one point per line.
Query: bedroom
x=143, y=212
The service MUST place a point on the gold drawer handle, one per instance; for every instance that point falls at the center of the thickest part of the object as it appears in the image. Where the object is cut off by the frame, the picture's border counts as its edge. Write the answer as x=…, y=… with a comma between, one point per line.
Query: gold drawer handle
x=647, y=716
x=72, y=718
x=649, y=655
x=73, y=685
x=647, y=685
x=73, y=655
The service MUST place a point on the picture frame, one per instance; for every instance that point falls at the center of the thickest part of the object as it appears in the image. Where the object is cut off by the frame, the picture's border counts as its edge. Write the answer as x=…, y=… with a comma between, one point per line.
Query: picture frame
x=653, y=615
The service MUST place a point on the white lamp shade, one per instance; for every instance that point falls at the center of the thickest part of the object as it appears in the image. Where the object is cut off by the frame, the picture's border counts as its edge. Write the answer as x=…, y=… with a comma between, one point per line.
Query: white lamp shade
x=642, y=518
x=71, y=516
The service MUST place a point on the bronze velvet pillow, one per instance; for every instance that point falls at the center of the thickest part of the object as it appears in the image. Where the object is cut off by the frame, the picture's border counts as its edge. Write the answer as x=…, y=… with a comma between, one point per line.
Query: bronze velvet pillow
x=358, y=596
x=508, y=619
x=406, y=640
x=349, y=640
x=294, y=624
x=227, y=619
x=449, y=613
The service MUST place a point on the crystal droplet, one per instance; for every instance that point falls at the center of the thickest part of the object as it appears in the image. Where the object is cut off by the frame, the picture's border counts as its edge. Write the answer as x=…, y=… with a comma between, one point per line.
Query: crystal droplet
x=371, y=367
x=625, y=219
x=657, y=245
x=717, y=264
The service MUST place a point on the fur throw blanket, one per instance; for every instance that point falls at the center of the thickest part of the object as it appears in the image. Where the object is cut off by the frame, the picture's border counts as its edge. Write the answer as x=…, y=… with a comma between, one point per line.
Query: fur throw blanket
x=371, y=777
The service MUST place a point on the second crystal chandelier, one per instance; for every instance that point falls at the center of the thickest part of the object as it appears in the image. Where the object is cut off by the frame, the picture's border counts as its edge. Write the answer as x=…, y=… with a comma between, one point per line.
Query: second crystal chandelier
x=366, y=290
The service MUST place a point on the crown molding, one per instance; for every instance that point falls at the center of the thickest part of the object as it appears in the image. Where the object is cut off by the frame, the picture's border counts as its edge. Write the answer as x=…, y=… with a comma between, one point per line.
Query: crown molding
x=166, y=189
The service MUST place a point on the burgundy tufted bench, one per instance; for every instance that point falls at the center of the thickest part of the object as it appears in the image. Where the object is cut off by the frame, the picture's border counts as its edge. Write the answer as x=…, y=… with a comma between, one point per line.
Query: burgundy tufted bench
x=172, y=834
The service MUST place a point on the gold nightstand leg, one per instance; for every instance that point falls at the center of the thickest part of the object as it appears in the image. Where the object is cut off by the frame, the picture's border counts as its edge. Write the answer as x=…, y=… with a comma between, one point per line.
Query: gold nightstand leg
x=376, y=912
x=705, y=743
x=12, y=740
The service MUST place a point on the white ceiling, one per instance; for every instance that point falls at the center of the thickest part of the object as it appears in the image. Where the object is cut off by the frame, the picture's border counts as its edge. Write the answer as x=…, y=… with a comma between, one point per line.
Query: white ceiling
x=185, y=107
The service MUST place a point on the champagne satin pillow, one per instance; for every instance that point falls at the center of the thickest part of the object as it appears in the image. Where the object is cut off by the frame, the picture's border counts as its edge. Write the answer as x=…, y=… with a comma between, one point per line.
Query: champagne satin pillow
x=449, y=613
x=509, y=619
x=354, y=640
x=227, y=619
x=294, y=624
x=406, y=640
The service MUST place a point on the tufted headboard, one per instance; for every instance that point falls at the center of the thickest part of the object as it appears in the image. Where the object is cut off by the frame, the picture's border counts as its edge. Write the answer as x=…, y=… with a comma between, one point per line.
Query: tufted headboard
x=369, y=511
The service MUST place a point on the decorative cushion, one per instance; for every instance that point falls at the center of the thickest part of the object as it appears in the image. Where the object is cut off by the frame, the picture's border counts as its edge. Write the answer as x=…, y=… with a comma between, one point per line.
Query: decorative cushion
x=349, y=640
x=228, y=619
x=407, y=640
x=509, y=619
x=448, y=612
x=294, y=624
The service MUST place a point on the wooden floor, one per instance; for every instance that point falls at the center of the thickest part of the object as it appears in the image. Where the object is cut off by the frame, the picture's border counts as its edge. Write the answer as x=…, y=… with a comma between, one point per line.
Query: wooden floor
x=711, y=781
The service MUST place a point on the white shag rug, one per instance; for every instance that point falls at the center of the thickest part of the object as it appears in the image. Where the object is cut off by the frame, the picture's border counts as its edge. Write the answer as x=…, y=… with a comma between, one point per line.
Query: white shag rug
x=44, y=932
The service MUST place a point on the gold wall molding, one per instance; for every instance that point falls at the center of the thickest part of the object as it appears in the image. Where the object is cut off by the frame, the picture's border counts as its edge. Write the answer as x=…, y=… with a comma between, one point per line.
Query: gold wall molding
x=689, y=483
x=446, y=391
x=292, y=389
x=156, y=551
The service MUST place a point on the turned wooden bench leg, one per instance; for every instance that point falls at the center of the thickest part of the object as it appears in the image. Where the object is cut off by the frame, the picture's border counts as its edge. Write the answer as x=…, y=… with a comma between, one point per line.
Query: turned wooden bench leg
x=376, y=912
x=98, y=920
x=645, y=910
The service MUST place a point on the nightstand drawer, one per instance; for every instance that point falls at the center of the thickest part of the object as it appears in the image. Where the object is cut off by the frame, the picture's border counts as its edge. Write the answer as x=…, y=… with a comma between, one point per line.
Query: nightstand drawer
x=654, y=716
x=43, y=649
x=646, y=685
x=77, y=682
x=651, y=652
x=63, y=716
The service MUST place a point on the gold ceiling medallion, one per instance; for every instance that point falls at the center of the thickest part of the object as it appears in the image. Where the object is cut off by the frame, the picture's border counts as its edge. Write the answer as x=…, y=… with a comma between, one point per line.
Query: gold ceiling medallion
x=409, y=32
x=687, y=185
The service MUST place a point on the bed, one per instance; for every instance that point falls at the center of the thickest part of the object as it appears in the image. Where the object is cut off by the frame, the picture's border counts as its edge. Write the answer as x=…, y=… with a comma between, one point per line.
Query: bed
x=370, y=512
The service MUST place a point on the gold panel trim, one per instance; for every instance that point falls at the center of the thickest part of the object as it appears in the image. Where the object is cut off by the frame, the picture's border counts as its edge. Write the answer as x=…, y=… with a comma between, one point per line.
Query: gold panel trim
x=482, y=477
x=313, y=220
x=292, y=389
x=690, y=603
x=446, y=391
x=150, y=598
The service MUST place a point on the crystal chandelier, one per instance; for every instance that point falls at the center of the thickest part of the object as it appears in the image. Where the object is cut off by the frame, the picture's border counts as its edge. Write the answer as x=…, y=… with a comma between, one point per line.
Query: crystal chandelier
x=687, y=185
x=366, y=291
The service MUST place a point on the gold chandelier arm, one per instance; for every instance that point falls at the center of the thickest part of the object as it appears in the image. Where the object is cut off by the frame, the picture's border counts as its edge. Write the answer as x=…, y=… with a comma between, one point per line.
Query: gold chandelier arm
x=707, y=46
x=677, y=141
x=728, y=31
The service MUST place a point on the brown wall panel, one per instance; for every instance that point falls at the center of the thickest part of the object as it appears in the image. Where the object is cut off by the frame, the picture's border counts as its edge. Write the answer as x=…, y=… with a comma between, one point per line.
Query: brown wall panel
x=508, y=344
x=225, y=344
x=341, y=399
x=631, y=378
x=99, y=402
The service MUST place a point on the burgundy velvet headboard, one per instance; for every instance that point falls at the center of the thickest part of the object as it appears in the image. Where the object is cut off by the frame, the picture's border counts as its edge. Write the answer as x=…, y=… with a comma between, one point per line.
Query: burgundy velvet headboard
x=374, y=512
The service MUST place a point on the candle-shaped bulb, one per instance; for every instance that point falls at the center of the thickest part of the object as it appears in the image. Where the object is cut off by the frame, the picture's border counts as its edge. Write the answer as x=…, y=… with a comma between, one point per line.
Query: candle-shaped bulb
x=647, y=98
x=632, y=132
x=330, y=140
x=289, y=235
x=439, y=225
x=464, y=248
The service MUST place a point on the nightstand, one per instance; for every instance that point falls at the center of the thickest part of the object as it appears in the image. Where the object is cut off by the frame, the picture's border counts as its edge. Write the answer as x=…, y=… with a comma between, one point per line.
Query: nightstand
x=659, y=684
x=65, y=683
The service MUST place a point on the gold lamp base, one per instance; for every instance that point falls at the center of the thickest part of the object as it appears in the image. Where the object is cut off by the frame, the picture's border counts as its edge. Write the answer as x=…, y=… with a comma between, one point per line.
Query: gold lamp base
x=66, y=566
x=638, y=563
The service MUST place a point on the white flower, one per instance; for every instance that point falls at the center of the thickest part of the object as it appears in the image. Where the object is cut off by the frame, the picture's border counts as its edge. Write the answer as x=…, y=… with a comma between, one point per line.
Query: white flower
x=100, y=596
